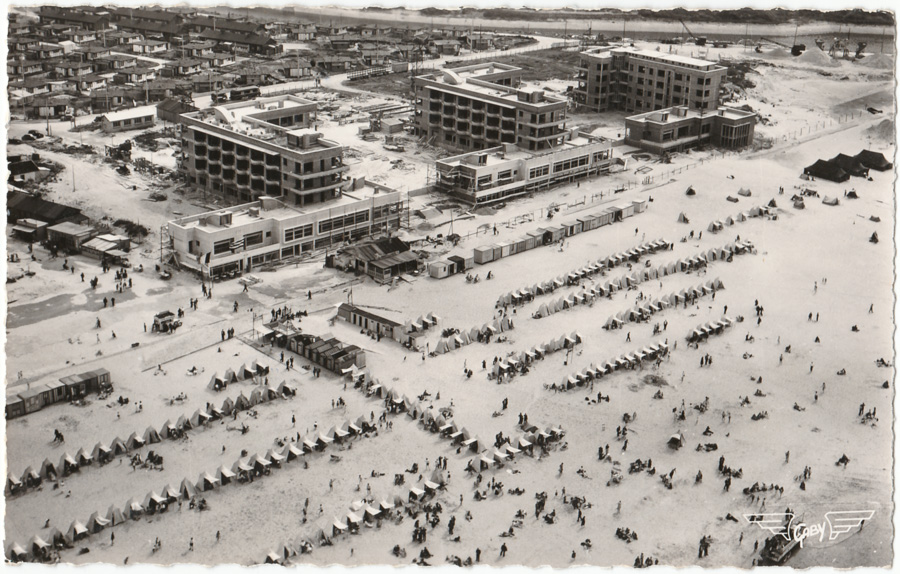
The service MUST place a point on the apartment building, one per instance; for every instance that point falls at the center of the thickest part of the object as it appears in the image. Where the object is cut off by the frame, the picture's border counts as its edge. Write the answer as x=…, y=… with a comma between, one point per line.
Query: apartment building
x=643, y=80
x=492, y=175
x=679, y=128
x=262, y=147
x=480, y=106
x=238, y=239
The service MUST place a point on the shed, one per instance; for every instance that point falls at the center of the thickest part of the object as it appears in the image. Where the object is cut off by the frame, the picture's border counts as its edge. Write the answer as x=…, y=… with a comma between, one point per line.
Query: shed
x=483, y=254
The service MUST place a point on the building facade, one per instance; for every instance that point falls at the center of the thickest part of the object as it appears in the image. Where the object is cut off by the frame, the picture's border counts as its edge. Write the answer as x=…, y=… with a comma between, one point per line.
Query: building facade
x=496, y=174
x=262, y=147
x=238, y=239
x=642, y=80
x=479, y=106
x=680, y=128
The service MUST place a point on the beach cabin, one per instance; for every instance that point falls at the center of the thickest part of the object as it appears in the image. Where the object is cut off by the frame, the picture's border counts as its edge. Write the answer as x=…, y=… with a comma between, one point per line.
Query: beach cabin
x=439, y=269
x=554, y=234
x=484, y=254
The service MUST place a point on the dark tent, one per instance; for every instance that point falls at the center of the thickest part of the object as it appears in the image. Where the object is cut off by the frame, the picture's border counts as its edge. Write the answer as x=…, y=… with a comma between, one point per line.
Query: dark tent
x=827, y=170
x=850, y=164
x=873, y=160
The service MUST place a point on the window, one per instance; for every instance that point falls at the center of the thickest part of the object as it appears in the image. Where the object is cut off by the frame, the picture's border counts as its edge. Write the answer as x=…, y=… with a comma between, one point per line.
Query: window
x=298, y=232
x=705, y=128
x=699, y=81
x=504, y=174
x=221, y=246
x=667, y=135
x=678, y=77
x=539, y=171
x=253, y=239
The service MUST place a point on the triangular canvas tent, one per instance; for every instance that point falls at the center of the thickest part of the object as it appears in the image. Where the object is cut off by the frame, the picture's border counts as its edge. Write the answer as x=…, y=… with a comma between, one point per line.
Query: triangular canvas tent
x=682, y=218
x=216, y=383
x=114, y=515
x=133, y=509
x=83, y=458
x=76, y=531
x=96, y=523
x=101, y=453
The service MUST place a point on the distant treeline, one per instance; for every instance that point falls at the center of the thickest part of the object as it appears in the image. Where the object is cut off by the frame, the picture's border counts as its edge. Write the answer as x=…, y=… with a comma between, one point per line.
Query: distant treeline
x=742, y=16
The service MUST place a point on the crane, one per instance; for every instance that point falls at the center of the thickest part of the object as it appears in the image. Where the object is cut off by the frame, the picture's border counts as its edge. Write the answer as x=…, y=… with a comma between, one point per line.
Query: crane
x=796, y=49
x=699, y=40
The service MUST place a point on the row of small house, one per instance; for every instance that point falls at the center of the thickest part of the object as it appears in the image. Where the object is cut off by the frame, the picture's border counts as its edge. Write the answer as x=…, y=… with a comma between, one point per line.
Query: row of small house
x=405, y=334
x=526, y=294
x=103, y=453
x=623, y=362
x=537, y=238
x=327, y=351
x=154, y=503
x=66, y=389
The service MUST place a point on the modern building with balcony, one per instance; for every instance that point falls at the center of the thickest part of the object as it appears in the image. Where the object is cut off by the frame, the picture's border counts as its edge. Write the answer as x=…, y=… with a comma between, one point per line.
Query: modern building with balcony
x=236, y=240
x=263, y=147
x=680, y=128
x=642, y=80
x=481, y=106
x=492, y=175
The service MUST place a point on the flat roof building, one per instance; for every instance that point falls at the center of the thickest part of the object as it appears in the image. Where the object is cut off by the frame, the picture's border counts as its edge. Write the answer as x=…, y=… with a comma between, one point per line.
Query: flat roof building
x=504, y=172
x=680, y=128
x=244, y=150
x=643, y=80
x=237, y=239
x=130, y=119
x=482, y=106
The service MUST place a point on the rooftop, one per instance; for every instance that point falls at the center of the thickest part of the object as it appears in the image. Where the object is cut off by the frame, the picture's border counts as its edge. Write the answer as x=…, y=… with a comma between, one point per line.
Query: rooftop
x=277, y=210
x=678, y=113
x=243, y=118
x=476, y=80
x=651, y=54
x=510, y=152
x=676, y=58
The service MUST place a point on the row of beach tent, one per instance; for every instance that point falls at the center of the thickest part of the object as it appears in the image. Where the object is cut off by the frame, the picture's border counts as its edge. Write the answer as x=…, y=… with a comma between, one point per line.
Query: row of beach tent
x=251, y=372
x=759, y=211
x=105, y=452
x=588, y=295
x=363, y=511
x=423, y=323
x=526, y=294
x=515, y=360
x=643, y=310
x=623, y=362
x=475, y=334
x=156, y=502
x=703, y=332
